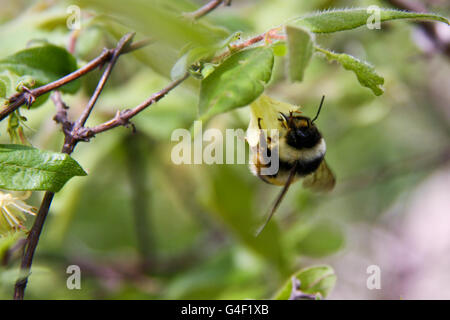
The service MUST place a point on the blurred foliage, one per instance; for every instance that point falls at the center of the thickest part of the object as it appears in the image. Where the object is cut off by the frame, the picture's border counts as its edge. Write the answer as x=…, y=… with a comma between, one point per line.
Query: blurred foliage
x=199, y=219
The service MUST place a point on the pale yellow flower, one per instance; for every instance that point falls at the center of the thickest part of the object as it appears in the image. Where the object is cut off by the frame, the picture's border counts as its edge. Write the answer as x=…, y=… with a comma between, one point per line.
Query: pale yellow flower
x=264, y=113
x=13, y=209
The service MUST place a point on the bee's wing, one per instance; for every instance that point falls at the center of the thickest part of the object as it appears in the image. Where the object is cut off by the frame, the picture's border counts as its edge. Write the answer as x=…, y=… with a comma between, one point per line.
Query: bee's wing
x=322, y=179
x=280, y=197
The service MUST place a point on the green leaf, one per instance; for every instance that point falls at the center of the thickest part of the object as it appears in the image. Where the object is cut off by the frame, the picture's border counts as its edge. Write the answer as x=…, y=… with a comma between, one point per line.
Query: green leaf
x=43, y=64
x=346, y=19
x=279, y=48
x=300, y=49
x=365, y=73
x=3, y=88
x=5, y=85
x=313, y=280
x=28, y=168
x=236, y=82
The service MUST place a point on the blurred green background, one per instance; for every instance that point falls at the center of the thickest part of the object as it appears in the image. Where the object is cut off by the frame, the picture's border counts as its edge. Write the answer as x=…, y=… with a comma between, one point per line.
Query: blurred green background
x=141, y=227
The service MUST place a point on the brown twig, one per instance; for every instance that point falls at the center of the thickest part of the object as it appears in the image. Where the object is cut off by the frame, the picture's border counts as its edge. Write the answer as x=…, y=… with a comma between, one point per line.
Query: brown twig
x=28, y=96
x=61, y=113
x=73, y=40
x=207, y=8
x=122, y=118
x=123, y=43
x=266, y=36
x=32, y=241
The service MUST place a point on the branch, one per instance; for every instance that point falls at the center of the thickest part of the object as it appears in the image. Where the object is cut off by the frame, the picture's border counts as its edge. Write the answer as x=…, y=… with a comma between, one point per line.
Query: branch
x=123, y=43
x=122, y=118
x=61, y=113
x=207, y=8
x=32, y=241
x=267, y=36
x=28, y=96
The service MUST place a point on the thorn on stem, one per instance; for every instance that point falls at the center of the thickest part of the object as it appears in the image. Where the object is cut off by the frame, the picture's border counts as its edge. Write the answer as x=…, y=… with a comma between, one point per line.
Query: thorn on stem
x=123, y=120
x=28, y=95
x=24, y=93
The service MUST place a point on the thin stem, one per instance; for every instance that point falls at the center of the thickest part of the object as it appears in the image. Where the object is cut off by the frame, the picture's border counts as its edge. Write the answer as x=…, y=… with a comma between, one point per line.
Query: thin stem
x=32, y=242
x=61, y=113
x=207, y=8
x=267, y=36
x=124, y=41
x=122, y=118
x=73, y=40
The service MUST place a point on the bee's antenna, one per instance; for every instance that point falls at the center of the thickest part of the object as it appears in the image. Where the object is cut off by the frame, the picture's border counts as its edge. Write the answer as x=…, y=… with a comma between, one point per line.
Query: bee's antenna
x=318, y=111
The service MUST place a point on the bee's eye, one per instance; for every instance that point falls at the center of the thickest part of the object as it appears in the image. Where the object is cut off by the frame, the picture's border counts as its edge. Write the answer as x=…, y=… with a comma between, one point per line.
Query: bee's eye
x=300, y=133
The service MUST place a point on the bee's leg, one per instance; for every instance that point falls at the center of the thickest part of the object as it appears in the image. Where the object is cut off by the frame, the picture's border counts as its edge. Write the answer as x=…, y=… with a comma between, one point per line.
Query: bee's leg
x=263, y=160
x=258, y=165
x=268, y=140
x=260, y=150
x=280, y=197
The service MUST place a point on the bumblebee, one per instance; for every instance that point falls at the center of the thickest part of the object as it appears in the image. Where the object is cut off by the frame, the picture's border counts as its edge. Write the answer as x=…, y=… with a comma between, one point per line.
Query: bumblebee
x=300, y=148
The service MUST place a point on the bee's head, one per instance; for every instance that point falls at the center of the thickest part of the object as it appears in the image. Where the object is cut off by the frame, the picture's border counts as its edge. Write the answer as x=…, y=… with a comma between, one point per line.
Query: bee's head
x=301, y=131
